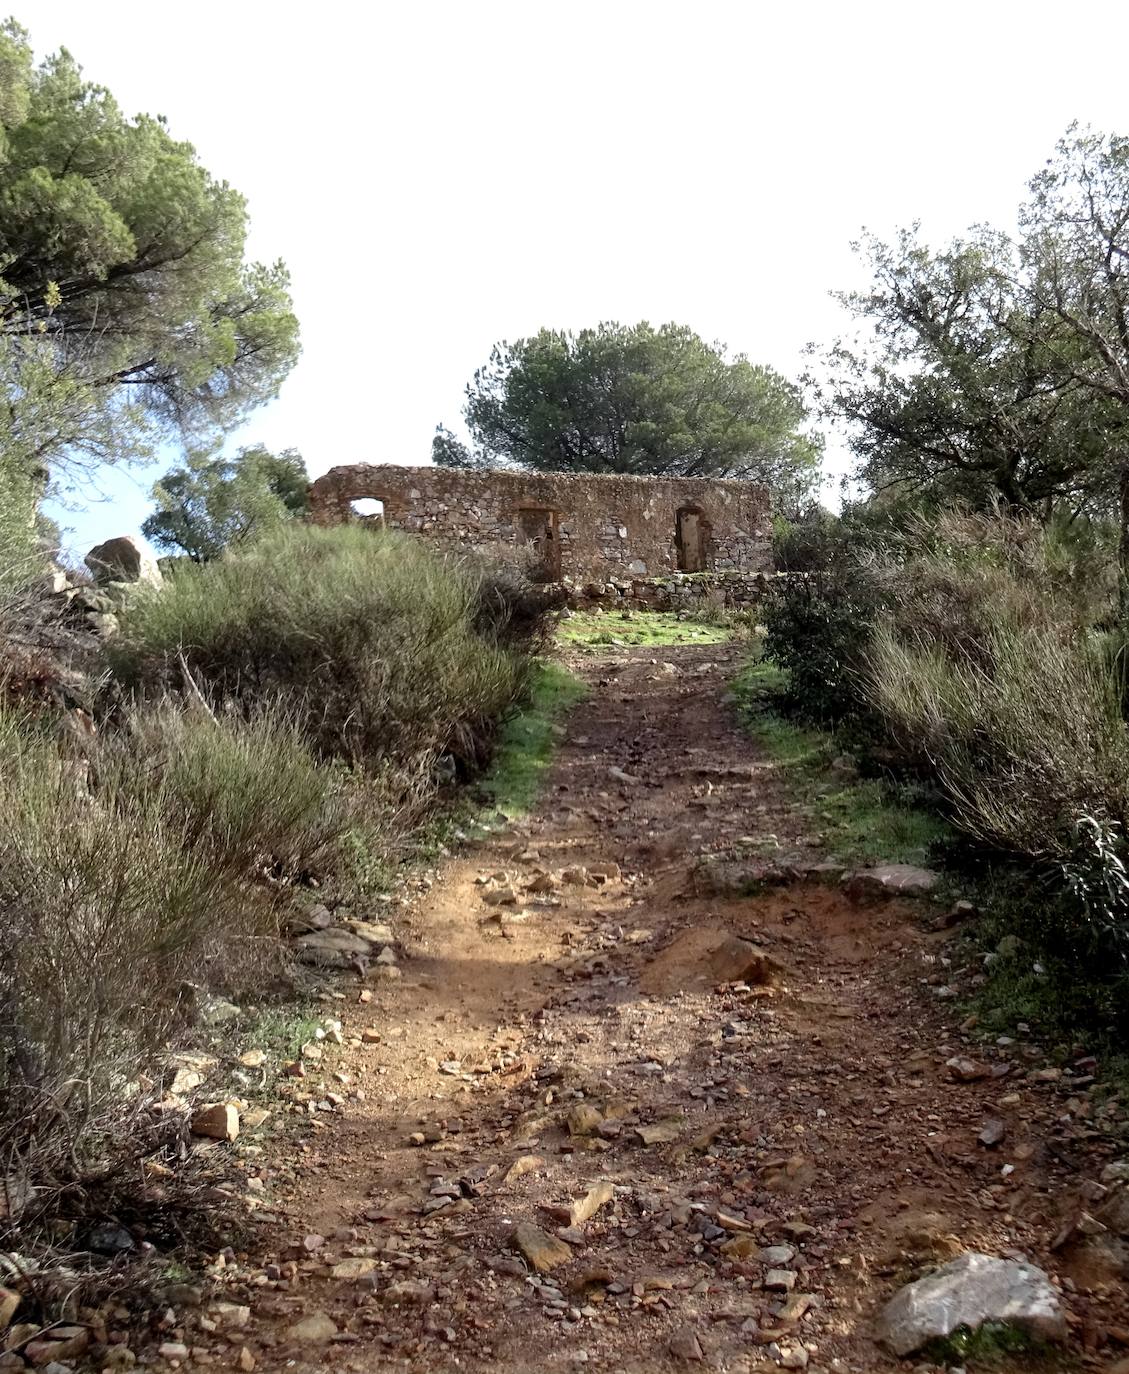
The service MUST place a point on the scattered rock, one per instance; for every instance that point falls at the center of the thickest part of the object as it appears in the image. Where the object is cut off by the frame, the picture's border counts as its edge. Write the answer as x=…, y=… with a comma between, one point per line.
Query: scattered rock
x=890, y=880
x=109, y=1239
x=315, y=1329
x=229, y=1316
x=583, y=1119
x=62, y=1343
x=780, y=1280
x=524, y=1165
x=335, y=948
x=684, y=1345
x=9, y=1303
x=544, y=1252
x=739, y=961
x=992, y=1132
x=628, y=779
x=356, y=1267
x=661, y=1133
x=970, y=1291
x=966, y=1070
x=217, y=1121
x=595, y=1198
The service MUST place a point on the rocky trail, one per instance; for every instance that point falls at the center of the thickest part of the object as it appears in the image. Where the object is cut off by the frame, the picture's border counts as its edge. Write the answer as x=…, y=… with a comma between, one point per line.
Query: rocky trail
x=614, y=1114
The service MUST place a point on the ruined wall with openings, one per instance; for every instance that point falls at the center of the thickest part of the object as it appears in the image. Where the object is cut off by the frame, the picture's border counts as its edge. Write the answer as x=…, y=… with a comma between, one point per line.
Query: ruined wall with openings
x=564, y=526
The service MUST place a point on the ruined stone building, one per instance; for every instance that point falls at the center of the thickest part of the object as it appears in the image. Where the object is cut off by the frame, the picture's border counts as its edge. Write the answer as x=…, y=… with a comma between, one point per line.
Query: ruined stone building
x=582, y=527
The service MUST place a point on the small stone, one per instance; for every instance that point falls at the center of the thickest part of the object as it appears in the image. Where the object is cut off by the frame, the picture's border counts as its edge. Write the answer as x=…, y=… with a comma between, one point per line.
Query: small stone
x=415, y=1291
x=778, y=1255
x=253, y=1059
x=63, y=1343
x=992, y=1132
x=544, y=1252
x=217, y=1121
x=661, y=1133
x=229, y=1316
x=966, y=1070
x=596, y=1197
x=684, y=1345
x=246, y=1360
x=583, y=1119
x=526, y=1164
x=780, y=1280
x=315, y=1329
x=628, y=779
x=173, y=1350
x=740, y=1247
x=9, y=1303
x=356, y=1267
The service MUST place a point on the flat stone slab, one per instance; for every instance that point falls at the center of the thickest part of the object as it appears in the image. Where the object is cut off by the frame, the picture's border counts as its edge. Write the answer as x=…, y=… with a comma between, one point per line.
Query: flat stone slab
x=969, y=1291
x=890, y=880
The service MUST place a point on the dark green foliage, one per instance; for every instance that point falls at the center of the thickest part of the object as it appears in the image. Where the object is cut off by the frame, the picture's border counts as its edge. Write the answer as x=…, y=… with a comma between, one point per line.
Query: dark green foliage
x=635, y=400
x=211, y=503
x=127, y=311
x=808, y=543
x=817, y=620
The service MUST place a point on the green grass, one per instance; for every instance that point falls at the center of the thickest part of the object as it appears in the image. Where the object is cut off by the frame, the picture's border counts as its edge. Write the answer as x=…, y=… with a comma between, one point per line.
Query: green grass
x=863, y=820
x=991, y=1344
x=639, y=629
x=527, y=742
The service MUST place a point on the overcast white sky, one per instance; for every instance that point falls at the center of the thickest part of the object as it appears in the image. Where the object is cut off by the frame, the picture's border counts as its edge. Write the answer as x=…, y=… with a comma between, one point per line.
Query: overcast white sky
x=441, y=175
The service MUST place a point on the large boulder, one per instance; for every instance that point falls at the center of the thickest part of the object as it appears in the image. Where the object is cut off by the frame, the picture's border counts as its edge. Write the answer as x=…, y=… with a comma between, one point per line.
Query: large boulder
x=968, y=1292
x=125, y=559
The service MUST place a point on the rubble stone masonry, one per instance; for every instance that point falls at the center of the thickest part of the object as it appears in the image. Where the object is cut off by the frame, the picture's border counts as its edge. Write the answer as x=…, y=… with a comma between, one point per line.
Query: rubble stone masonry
x=564, y=526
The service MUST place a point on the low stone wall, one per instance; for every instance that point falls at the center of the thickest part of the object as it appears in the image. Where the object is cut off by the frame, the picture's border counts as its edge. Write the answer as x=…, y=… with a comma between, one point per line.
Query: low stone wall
x=562, y=525
x=678, y=592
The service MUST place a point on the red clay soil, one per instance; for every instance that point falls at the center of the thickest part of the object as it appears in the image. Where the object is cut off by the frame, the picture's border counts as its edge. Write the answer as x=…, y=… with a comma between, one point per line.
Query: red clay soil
x=815, y=1114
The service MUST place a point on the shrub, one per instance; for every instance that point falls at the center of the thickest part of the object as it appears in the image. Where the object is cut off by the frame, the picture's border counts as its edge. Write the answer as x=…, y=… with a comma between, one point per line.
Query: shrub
x=103, y=916
x=808, y=543
x=370, y=641
x=248, y=794
x=817, y=620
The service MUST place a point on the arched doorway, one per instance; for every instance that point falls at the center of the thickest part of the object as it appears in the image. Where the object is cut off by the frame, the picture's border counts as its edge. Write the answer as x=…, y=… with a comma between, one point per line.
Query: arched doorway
x=691, y=536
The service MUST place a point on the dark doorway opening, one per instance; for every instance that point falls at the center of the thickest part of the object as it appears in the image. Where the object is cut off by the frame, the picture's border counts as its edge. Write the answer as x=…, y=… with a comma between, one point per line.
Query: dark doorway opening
x=692, y=538
x=539, y=531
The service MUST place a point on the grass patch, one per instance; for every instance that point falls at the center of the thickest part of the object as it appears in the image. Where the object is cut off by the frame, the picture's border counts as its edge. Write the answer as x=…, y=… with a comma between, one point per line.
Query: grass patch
x=991, y=1344
x=635, y=629
x=528, y=740
x=864, y=820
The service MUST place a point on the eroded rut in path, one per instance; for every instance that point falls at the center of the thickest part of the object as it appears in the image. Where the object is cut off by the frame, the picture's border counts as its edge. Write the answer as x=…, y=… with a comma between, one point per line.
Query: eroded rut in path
x=572, y=1034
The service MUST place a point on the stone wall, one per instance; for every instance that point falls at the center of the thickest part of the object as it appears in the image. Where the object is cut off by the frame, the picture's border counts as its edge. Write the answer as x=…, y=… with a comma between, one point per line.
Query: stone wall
x=566, y=527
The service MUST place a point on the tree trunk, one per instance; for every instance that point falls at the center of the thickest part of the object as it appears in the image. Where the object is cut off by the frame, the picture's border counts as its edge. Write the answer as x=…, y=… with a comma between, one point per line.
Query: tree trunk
x=1123, y=543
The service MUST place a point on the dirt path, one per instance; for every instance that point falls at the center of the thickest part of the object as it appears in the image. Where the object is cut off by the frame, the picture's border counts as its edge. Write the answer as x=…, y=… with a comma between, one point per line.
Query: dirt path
x=815, y=1118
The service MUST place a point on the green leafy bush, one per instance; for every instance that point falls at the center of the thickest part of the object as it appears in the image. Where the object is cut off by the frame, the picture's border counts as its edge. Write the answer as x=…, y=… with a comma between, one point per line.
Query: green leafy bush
x=372, y=643
x=817, y=620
